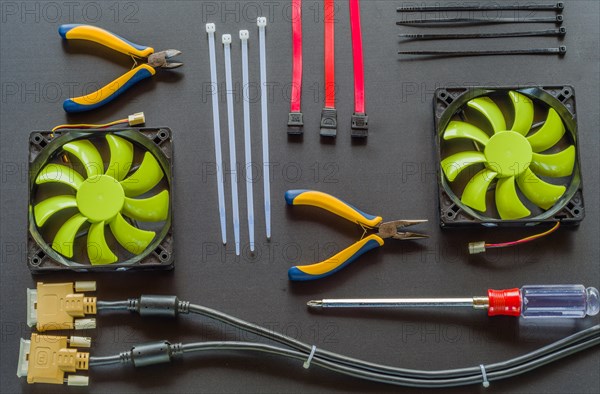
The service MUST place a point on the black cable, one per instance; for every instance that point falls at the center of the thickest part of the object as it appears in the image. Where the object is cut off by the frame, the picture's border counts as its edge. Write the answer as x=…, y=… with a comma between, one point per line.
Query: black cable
x=112, y=305
x=464, y=379
x=171, y=306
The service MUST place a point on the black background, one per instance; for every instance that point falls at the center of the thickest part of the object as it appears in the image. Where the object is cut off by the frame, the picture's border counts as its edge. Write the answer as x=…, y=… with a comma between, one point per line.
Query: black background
x=392, y=175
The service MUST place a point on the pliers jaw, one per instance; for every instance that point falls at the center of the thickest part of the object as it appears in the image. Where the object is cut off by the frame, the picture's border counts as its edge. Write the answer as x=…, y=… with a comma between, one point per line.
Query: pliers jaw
x=392, y=230
x=161, y=59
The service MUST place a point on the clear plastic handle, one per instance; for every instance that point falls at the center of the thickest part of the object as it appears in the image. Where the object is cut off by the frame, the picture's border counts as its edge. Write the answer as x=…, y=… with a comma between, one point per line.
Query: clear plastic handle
x=559, y=301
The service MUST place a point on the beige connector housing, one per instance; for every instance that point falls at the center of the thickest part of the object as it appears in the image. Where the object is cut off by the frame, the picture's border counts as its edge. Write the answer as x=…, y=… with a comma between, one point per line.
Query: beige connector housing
x=60, y=306
x=47, y=358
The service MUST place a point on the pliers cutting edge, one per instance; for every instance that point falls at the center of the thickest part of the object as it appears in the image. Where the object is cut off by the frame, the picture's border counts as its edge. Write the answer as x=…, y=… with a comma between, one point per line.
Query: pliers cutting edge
x=351, y=253
x=124, y=82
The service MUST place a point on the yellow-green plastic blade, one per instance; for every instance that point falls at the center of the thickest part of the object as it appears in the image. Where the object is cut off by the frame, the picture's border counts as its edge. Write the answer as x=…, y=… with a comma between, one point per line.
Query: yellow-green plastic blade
x=65, y=237
x=121, y=156
x=458, y=129
x=131, y=238
x=508, y=203
x=455, y=164
x=554, y=165
x=98, y=251
x=153, y=209
x=523, y=107
x=61, y=174
x=488, y=108
x=549, y=134
x=144, y=178
x=88, y=155
x=476, y=190
x=541, y=193
x=45, y=209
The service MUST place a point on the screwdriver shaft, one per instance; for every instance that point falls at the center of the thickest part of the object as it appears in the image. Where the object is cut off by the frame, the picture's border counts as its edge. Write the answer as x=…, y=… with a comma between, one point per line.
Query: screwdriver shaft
x=471, y=302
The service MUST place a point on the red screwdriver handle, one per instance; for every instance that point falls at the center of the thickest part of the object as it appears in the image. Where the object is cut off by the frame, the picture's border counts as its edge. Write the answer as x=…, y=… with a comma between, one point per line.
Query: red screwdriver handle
x=504, y=302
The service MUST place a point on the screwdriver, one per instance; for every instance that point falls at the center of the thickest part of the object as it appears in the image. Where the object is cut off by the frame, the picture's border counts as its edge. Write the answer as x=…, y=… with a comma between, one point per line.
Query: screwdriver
x=532, y=301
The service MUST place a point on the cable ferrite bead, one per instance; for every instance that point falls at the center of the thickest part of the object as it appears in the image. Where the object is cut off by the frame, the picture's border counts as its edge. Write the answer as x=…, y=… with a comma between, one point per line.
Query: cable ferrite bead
x=158, y=305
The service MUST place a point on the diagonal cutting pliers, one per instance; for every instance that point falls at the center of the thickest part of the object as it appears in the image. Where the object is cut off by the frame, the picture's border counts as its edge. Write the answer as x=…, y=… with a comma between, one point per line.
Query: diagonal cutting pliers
x=351, y=253
x=115, y=88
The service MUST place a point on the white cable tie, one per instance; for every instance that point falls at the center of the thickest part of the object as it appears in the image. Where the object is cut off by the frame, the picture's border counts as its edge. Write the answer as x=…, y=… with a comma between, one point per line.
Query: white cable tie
x=232, y=151
x=310, y=357
x=210, y=30
x=244, y=36
x=262, y=23
x=486, y=382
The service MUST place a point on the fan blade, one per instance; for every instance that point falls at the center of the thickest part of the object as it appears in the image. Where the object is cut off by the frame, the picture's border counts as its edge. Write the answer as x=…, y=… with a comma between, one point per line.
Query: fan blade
x=523, y=107
x=488, y=108
x=65, y=237
x=455, y=164
x=98, y=251
x=45, y=209
x=131, y=238
x=145, y=178
x=476, y=190
x=549, y=134
x=88, y=155
x=121, y=157
x=541, y=193
x=457, y=129
x=61, y=174
x=554, y=165
x=153, y=209
x=508, y=203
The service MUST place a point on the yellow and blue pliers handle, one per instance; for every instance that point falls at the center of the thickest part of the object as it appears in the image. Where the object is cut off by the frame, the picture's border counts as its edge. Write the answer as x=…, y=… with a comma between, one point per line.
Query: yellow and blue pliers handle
x=119, y=85
x=346, y=256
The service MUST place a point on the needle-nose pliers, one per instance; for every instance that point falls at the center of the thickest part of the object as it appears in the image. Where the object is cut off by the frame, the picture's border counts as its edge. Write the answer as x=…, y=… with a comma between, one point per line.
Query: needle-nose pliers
x=124, y=82
x=351, y=253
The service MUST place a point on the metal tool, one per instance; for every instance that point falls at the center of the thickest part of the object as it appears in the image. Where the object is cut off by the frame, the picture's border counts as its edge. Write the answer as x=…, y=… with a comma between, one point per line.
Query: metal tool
x=537, y=301
x=479, y=20
x=561, y=31
x=485, y=7
x=210, y=30
x=232, y=150
x=244, y=35
x=351, y=253
x=118, y=86
x=533, y=51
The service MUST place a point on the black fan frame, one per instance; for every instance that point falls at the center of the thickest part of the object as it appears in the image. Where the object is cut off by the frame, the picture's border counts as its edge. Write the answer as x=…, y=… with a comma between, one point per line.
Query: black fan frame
x=44, y=144
x=447, y=102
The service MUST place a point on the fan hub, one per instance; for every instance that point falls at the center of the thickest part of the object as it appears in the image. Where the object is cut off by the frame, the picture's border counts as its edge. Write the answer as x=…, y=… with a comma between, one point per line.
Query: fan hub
x=100, y=198
x=508, y=153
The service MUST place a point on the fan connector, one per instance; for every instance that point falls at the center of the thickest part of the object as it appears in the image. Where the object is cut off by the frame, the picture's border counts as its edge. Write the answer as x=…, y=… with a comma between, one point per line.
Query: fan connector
x=47, y=358
x=61, y=306
x=136, y=119
x=476, y=247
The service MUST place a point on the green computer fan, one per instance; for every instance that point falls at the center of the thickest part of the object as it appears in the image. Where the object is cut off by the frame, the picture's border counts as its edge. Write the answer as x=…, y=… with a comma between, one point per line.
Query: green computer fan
x=509, y=165
x=100, y=209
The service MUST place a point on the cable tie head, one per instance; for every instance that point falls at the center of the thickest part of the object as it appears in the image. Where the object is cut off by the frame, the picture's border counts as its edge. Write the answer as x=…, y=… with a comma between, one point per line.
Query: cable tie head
x=486, y=382
x=261, y=21
x=306, y=364
x=210, y=28
x=226, y=39
x=244, y=35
